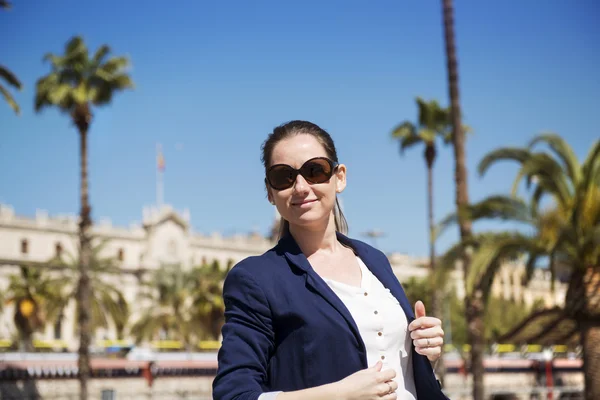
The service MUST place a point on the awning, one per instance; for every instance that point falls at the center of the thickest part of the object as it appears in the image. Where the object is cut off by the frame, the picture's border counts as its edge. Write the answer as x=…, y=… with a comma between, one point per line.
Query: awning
x=167, y=344
x=50, y=344
x=115, y=343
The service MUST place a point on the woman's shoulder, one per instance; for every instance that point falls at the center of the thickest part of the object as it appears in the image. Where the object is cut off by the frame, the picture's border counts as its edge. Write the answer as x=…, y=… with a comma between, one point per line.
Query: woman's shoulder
x=258, y=267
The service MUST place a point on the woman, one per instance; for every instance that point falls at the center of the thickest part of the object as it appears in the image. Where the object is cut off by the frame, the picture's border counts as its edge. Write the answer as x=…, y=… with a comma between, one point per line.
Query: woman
x=320, y=316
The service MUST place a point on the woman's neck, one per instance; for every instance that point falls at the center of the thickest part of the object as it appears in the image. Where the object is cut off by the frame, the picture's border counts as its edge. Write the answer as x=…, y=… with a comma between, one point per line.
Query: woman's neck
x=316, y=239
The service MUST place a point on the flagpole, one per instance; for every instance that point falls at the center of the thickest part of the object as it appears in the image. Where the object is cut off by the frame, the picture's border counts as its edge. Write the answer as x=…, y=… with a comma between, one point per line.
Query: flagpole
x=159, y=175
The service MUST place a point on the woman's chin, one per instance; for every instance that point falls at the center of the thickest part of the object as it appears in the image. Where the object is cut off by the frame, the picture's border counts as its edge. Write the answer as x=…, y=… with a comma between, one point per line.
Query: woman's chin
x=309, y=220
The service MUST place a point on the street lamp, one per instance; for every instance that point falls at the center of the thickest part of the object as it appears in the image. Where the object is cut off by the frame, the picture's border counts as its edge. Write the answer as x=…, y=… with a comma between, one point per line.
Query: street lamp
x=374, y=234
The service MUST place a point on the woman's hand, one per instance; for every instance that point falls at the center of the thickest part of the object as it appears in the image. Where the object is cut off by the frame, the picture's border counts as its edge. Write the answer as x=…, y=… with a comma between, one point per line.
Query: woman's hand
x=426, y=333
x=368, y=384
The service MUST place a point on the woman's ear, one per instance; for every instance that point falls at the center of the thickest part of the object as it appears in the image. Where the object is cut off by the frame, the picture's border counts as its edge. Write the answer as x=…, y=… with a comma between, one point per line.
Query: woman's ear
x=340, y=182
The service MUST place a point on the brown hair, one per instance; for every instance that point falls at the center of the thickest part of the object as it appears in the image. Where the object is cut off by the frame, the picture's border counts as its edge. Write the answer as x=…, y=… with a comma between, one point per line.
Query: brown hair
x=293, y=128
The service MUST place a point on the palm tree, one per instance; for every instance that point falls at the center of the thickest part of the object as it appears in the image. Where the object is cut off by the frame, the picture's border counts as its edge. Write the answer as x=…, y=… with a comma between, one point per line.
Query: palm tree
x=32, y=293
x=167, y=299
x=433, y=122
x=473, y=310
x=75, y=84
x=183, y=305
x=208, y=305
x=568, y=232
x=107, y=302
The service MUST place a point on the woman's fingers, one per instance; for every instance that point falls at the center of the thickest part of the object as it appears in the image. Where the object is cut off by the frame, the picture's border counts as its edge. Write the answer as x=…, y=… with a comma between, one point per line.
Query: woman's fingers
x=436, y=331
x=428, y=342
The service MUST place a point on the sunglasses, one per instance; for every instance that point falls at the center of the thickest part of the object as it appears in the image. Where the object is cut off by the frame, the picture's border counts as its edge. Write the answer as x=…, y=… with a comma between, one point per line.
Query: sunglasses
x=315, y=170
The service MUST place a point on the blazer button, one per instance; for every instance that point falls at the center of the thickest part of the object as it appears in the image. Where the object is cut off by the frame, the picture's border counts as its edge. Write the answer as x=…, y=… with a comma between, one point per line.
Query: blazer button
x=366, y=293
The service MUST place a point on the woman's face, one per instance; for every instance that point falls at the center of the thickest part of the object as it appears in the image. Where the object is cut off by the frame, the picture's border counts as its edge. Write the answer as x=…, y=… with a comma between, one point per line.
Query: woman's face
x=305, y=204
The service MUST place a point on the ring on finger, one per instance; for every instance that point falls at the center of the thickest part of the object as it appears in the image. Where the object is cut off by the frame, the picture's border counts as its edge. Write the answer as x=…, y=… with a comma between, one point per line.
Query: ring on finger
x=428, y=342
x=391, y=389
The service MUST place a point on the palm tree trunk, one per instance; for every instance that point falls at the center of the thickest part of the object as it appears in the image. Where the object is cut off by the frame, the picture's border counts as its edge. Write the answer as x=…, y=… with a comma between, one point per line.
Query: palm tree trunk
x=82, y=117
x=590, y=342
x=475, y=307
x=26, y=343
x=462, y=199
x=589, y=328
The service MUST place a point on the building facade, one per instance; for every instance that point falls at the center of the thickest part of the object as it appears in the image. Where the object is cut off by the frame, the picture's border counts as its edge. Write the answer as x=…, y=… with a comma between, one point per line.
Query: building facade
x=165, y=236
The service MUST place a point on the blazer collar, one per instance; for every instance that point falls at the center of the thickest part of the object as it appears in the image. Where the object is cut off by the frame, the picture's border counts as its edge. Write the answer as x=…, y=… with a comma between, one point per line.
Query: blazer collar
x=383, y=273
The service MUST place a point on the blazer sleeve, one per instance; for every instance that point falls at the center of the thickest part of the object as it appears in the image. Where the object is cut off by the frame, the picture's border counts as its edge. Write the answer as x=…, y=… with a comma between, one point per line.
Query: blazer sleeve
x=248, y=339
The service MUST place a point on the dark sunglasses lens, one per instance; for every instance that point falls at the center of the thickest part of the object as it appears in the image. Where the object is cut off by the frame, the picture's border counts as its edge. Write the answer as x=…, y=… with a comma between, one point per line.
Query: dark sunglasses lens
x=281, y=177
x=316, y=171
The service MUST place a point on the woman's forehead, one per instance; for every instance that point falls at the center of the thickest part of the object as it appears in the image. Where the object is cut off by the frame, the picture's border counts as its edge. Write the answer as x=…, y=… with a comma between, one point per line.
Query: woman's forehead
x=296, y=150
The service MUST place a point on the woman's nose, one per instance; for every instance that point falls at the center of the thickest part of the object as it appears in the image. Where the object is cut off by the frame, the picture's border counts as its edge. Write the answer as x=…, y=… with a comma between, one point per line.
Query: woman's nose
x=301, y=185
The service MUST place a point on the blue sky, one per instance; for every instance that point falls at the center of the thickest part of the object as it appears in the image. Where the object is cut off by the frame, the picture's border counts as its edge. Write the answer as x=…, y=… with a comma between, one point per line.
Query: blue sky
x=213, y=79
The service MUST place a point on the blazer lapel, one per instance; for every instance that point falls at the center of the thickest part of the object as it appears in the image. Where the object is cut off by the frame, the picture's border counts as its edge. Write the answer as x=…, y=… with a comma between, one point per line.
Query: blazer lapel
x=385, y=275
x=317, y=284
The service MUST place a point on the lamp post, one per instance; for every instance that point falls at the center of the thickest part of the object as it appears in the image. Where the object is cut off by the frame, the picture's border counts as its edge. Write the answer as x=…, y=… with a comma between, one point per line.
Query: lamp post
x=374, y=234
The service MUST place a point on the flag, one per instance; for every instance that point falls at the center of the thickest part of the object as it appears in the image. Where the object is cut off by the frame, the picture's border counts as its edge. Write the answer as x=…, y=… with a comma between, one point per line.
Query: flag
x=160, y=161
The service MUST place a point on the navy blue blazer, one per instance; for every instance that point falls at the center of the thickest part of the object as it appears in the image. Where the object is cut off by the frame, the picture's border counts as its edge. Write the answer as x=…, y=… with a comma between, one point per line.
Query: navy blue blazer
x=285, y=329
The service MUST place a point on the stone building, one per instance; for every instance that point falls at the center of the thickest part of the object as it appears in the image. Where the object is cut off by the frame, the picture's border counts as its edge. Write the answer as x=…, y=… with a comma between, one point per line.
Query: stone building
x=165, y=237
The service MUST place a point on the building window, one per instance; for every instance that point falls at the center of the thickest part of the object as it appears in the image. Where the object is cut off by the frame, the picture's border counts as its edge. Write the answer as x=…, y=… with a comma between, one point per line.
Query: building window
x=58, y=250
x=121, y=255
x=24, y=246
x=58, y=327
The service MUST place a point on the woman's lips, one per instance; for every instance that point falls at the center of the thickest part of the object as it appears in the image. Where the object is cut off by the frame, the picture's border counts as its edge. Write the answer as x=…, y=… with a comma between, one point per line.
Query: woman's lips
x=303, y=203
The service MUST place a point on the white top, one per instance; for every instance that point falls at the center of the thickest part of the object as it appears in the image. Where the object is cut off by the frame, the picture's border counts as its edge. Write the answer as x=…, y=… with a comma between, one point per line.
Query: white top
x=383, y=328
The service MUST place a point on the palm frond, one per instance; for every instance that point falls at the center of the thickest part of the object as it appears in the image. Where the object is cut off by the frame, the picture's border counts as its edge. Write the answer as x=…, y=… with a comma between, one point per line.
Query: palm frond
x=10, y=78
x=530, y=266
x=113, y=66
x=99, y=55
x=493, y=207
x=506, y=153
x=431, y=114
x=10, y=100
x=76, y=47
x=404, y=131
x=564, y=152
x=536, y=325
x=494, y=249
x=591, y=168
x=548, y=174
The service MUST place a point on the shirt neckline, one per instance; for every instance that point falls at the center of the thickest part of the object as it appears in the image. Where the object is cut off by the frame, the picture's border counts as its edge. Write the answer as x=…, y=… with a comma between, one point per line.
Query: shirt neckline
x=365, y=280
